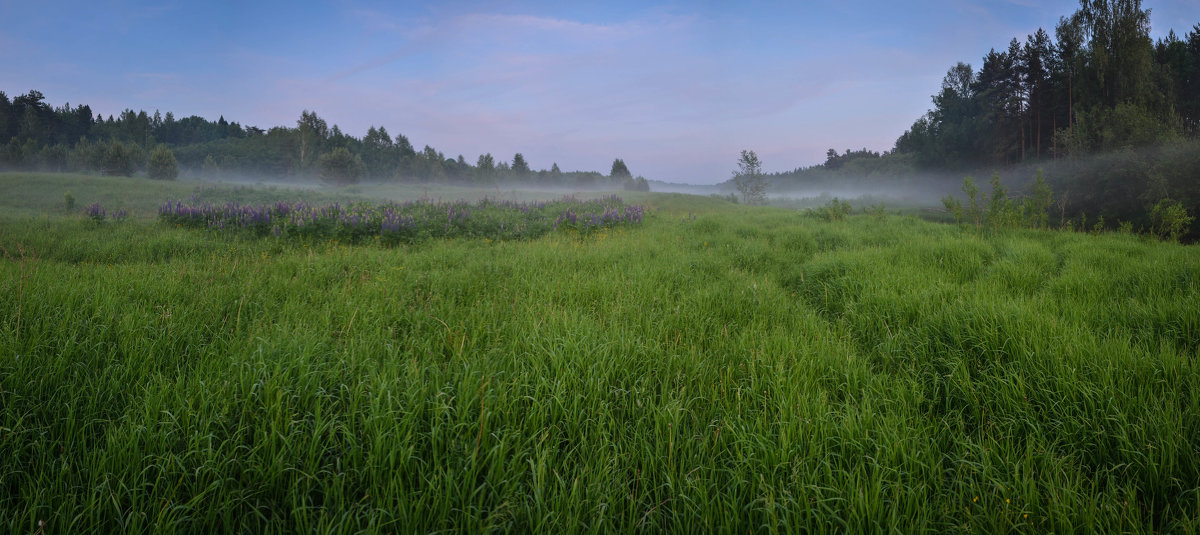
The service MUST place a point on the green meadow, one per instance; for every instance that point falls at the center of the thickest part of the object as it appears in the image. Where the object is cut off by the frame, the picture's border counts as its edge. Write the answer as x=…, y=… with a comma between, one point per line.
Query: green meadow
x=717, y=368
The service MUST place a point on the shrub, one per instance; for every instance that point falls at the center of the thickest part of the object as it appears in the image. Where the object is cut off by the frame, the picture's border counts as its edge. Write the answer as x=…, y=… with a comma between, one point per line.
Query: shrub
x=834, y=210
x=879, y=210
x=340, y=167
x=1002, y=211
x=1170, y=219
x=118, y=160
x=1037, y=205
x=973, y=213
x=162, y=164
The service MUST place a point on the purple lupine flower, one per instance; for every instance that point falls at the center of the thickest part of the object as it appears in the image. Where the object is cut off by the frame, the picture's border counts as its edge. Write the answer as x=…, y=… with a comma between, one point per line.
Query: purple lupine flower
x=96, y=212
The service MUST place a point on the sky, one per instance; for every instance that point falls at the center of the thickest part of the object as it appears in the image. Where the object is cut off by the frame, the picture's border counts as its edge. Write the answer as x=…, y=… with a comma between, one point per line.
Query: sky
x=676, y=90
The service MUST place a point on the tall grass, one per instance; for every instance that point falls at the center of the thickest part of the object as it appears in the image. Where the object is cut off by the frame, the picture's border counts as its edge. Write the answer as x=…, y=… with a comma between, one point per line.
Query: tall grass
x=737, y=369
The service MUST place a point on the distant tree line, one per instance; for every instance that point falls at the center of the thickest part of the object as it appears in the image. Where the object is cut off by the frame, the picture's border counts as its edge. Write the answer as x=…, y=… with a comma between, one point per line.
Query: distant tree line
x=850, y=166
x=1110, y=115
x=1100, y=84
x=37, y=136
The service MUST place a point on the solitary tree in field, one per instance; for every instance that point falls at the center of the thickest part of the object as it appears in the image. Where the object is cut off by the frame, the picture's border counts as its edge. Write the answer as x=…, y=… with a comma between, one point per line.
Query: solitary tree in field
x=750, y=180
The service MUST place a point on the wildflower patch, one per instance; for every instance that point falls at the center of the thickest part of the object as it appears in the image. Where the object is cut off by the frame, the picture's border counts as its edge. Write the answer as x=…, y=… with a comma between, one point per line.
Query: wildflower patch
x=394, y=223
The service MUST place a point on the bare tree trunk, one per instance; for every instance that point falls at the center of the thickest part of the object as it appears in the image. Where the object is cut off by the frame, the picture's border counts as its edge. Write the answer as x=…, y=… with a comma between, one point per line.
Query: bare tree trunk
x=1039, y=133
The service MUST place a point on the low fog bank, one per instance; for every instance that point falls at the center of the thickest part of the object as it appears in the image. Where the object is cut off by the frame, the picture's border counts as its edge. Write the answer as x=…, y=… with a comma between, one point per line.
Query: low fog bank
x=247, y=180
x=1125, y=188
x=1122, y=186
x=926, y=190
x=689, y=189
x=371, y=190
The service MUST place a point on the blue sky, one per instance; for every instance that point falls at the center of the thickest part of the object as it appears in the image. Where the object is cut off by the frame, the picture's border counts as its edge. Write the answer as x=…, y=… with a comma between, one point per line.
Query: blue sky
x=675, y=89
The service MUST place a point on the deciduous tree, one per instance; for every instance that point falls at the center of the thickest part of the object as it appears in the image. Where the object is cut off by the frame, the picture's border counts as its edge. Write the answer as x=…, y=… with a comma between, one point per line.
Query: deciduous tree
x=340, y=167
x=749, y=179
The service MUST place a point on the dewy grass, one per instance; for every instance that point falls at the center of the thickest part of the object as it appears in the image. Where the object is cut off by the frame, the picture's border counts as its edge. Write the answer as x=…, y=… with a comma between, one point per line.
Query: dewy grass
x=745, y=369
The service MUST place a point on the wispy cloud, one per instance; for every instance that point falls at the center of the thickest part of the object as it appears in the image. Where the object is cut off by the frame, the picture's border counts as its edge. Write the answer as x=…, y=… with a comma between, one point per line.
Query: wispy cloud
x=569, y=28
x=172, y=76
x=376, y=63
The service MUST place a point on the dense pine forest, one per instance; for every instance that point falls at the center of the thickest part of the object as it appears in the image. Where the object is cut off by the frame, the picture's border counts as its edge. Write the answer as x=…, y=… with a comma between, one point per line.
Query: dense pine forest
x=1110, y=116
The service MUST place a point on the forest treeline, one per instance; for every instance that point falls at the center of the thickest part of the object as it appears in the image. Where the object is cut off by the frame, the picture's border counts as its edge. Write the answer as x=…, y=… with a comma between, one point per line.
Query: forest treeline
x=1109, y=115
x=37, y=136
x=1100, y=84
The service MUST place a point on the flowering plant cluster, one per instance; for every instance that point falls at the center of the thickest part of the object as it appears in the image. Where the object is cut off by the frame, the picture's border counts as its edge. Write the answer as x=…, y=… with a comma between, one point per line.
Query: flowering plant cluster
x=406, y=222
x=98, y=214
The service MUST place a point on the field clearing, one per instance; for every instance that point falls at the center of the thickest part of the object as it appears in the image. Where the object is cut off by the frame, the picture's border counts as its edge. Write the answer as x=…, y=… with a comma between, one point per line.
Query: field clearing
x=717, y=368
x=42, y=194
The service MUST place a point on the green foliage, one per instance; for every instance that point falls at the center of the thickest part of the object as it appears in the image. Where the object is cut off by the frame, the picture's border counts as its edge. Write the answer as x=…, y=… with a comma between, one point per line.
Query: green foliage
x=69, y=201
x=1101, y=85
x=1170, y=219
x=835, y=210
x=636, y=184
x=974, y=210
x=1103, y=129
x=340, y=167
x=85, y=156
x=833, y=160
x=519, y=166
x=1002, y=212
x=35, y=136
x=485, y=166
x=51, y=158
x=312, y=133
x=162, y=165
x=118, y=160
x=750, y=180
x=1037, y=204
x=619, y=170
x=878, y=210
x=954, y=207
x=1125, y=184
